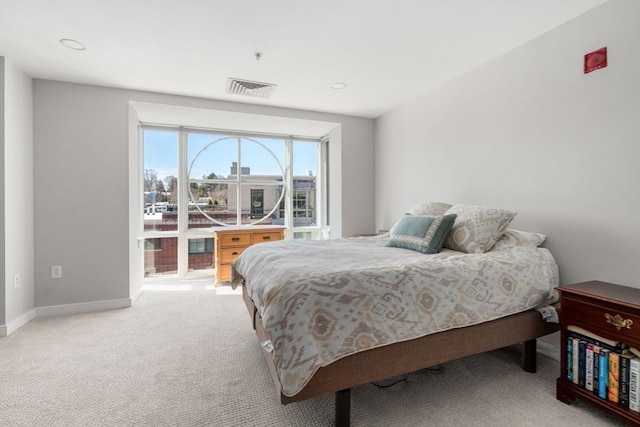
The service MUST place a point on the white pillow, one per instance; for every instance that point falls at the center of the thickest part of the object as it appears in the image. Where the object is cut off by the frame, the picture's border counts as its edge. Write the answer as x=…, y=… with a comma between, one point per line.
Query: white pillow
x=477, y=228
x=429, y=209
x=513, y=238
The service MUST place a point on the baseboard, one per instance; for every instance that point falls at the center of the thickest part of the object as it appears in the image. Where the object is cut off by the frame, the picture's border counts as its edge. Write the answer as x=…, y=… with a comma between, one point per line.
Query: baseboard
x=17, y=323
x=83, y=307
x=136, y=294
x=548, y=349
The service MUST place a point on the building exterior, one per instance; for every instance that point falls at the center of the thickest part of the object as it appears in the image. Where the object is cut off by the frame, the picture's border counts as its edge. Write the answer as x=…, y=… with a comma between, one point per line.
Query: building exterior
x=217, y=204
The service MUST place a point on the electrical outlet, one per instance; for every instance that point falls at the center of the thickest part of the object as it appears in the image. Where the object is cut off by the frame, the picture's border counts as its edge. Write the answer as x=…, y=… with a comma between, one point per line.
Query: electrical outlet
x=56, y=272
x=16, y=280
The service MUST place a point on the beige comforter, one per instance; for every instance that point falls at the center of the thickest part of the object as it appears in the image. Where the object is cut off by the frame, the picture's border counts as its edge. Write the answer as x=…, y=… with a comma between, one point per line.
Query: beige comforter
x=323, y=300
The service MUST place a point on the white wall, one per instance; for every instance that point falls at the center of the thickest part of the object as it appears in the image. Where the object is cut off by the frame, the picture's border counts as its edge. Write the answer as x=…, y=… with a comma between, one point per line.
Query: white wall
x=17, y=197
x=81, y=160
x=529, y=131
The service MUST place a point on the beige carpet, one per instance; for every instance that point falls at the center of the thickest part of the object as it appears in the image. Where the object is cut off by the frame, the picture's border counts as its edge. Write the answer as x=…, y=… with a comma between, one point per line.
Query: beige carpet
x=190, y=358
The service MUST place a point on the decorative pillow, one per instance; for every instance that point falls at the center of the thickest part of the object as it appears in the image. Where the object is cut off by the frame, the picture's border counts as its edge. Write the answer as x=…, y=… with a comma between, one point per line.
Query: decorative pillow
x=513, y=238
x=477, y=228
x=431, y=209
x=421, y=233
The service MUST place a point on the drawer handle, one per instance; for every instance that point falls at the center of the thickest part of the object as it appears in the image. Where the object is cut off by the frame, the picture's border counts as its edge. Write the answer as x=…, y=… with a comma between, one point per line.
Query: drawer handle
x=234, y=253
x=235, y=239
x=618, y=321
x=266, y=237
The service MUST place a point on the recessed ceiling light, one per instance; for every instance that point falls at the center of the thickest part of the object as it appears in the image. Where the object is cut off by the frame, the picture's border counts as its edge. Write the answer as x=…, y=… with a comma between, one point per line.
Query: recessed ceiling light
x=338, y=85
x=72, y=44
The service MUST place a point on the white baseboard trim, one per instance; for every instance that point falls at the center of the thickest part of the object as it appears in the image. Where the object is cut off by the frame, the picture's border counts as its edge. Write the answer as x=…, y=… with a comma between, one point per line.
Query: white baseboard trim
x=17, y=323
x=136, y=294
x=83, y=307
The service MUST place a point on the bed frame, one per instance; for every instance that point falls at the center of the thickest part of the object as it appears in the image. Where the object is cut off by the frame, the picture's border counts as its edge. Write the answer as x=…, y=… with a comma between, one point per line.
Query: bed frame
x=409, y=356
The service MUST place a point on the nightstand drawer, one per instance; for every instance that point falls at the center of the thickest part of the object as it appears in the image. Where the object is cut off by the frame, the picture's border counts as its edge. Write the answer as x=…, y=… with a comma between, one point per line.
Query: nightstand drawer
x=602, y=318
x=231, y=239
x=229, y=254
x=265, y=237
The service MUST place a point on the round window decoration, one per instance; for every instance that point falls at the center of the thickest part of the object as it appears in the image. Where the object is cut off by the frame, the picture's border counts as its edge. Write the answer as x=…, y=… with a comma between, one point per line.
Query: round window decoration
x=238, y=181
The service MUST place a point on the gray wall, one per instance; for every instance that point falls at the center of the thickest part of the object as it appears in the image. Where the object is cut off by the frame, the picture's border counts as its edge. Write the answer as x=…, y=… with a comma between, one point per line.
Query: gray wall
x=16, y=197
x=81, y=160
x=3, y=283
x=529, y=131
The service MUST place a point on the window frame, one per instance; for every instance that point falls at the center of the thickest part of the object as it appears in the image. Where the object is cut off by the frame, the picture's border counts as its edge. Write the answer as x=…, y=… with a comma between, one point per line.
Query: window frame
x=184, y=233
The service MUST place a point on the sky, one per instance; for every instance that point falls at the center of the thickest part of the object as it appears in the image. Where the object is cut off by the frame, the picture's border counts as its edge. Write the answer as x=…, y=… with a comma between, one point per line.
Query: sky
x=214, y=153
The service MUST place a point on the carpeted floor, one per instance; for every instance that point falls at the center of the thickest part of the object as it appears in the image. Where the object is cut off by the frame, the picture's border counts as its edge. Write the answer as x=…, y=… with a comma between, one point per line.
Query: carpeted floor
x=190, y=358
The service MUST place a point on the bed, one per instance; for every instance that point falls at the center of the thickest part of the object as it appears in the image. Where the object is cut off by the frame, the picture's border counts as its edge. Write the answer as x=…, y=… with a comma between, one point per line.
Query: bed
x=334, y=314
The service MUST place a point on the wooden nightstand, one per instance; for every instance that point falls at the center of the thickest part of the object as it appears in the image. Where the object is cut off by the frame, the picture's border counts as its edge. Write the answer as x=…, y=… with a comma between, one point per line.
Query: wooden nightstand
x=608, y=310
x=232, y=241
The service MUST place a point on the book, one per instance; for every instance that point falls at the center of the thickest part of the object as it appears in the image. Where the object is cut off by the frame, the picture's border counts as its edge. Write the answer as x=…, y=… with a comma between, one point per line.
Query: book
x=582, y=362
x=613, y=388
x=623, y=395
x=583, y=334
x=596, y=369
x=634, y=385
x=569, y=357
x=603, y=375
x=576, y=353
x=588, y=367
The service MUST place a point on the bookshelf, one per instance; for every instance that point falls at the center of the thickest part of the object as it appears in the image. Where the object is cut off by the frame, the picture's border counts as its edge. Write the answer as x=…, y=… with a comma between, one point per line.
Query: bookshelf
x=609, y=311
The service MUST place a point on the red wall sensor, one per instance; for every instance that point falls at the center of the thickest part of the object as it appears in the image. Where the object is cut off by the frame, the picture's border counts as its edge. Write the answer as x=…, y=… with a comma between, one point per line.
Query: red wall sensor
x=595, y=60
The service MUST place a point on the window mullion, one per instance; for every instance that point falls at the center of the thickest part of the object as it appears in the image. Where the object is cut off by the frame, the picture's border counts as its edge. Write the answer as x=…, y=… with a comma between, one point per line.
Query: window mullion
x=321, y=189
x=288, y=189
x=238, y=183
x=183, y=206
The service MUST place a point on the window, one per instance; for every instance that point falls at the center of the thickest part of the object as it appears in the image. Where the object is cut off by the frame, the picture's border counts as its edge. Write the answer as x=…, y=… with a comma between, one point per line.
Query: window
x=201, y=246
x=160, y=256
x=257, y=203
x=153, y=244
x=195, y=179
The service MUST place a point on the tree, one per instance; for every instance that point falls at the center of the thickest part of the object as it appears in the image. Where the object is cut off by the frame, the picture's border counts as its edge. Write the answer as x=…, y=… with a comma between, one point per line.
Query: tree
x=150, y=180
x=171, y=186
x=216, y=192
x=161, y=196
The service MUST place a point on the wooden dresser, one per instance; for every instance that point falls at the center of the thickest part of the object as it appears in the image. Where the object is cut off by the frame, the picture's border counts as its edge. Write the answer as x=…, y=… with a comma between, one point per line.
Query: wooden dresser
x=609, y=311
x=232, y=241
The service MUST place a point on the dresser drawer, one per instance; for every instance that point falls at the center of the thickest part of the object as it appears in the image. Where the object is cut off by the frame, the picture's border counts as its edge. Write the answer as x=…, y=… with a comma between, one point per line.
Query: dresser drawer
x=229, y=254
x=605, y=319
x=231, y=242
x=231, y=239
x=265, y=237
x=223, y=272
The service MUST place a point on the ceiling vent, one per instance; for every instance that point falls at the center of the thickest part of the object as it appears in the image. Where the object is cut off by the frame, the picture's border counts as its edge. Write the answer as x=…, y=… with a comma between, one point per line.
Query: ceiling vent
x=249, y=88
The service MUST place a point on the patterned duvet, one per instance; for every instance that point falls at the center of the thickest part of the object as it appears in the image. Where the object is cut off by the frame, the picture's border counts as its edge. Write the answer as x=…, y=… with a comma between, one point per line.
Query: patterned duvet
x=324, y=300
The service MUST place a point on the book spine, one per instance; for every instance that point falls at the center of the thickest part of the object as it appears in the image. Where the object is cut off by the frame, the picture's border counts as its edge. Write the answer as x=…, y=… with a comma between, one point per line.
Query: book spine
x=613, y=388
x=603, y=380
x=596, y=369
x=582, y=360
x=569, y=357
x=618, y=348
x=624, y=381
x=634, y=384
x=588, y=366
x=576, y=353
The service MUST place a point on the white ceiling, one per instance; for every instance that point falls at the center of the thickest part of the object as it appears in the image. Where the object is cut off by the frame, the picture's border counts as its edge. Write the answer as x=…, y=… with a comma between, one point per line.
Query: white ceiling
x=387, y=52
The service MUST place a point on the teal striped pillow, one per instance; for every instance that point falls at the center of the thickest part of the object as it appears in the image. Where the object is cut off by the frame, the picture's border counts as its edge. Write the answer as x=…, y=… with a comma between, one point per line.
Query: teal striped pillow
x=421, y=233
